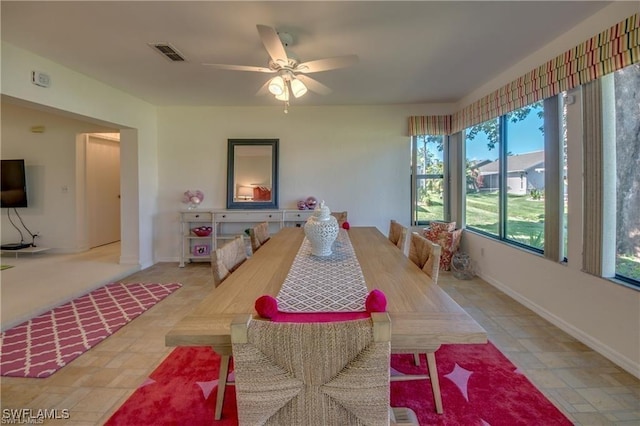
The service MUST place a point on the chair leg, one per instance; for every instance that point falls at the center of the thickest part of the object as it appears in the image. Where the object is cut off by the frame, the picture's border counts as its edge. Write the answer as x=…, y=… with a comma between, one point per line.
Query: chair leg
x=416, y=358
x=435, y=383
x=222, y=384
x=403, y=416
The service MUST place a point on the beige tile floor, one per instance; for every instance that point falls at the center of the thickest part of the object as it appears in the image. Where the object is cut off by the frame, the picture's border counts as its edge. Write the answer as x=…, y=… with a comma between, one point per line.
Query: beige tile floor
x=589, y=389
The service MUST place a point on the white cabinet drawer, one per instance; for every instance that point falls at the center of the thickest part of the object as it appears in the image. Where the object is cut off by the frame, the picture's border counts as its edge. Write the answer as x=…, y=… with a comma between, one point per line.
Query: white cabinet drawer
x=297, y=216
x=197, y=217
x=263, y=216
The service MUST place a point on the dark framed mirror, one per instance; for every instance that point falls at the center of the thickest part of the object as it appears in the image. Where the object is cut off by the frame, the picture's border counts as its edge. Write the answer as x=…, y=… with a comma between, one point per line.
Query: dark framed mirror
x=252, y=174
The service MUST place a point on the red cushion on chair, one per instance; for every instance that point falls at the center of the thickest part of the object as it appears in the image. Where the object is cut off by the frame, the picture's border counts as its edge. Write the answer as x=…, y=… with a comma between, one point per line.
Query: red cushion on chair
x=303, y=317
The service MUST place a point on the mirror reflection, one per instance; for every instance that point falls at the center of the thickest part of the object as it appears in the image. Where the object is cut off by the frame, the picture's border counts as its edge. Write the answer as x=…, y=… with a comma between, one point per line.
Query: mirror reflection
x=252, y=174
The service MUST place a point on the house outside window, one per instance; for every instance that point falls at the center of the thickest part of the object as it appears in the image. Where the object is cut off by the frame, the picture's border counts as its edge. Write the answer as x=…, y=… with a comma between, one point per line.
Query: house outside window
x=507, y=200
x=482, y=200
x=525, y=174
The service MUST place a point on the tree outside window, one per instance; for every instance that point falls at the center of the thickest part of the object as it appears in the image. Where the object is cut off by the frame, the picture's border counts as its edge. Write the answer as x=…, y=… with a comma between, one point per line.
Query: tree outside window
x=428, y=172
x=627, y=149
x=507, y=201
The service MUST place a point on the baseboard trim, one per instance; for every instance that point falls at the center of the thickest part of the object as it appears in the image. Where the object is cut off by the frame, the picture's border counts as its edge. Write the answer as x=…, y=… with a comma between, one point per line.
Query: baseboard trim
x=617, y=358
x=170, y=259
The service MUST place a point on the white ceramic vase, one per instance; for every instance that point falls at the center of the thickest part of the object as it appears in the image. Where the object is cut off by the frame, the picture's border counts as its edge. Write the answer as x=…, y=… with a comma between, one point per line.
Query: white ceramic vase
x=321, y=230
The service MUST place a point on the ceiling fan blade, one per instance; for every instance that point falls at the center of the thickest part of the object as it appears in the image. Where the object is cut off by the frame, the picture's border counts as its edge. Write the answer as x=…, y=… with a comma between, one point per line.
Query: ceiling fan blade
x=314, y=85
x=327, y=64
x=273, y=44
x=240, y=68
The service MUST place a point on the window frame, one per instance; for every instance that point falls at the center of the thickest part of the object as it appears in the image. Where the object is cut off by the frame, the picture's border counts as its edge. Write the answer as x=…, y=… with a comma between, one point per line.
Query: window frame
x=415, y=177
x=610, y=178
x=552, y=140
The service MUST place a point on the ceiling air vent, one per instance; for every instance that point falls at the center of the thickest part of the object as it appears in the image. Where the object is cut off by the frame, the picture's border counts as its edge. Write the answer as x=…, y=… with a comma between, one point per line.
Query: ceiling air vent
x=168, y=51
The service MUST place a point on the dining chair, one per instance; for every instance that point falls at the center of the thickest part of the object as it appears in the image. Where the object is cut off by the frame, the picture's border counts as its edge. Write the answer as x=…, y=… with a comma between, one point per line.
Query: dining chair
x=298, y=373
x=397, y=235
x=228, y=258
x=341, y=217
x=259, y=235
x=426, y=255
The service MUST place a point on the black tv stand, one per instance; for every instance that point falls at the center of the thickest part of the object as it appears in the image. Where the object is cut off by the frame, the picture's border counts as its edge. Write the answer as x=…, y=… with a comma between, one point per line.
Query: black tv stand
x=15, y=246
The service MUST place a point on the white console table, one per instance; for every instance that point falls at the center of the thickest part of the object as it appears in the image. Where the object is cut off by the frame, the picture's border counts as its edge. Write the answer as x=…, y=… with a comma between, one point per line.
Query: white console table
x=228, y=224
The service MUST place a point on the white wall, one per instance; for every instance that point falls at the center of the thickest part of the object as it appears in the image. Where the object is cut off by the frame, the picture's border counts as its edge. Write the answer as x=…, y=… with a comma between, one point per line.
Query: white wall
x=354, y=158
x=50, y=160
x=75, y=95
x=598, y=312
x=602, y=314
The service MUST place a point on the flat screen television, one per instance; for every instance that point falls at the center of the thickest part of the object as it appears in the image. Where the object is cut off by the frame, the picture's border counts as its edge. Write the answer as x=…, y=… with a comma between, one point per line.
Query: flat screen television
x=14, y=184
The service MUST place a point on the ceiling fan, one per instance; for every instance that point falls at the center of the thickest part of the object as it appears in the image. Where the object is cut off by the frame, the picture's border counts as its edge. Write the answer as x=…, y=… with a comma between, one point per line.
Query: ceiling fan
x=291, y=78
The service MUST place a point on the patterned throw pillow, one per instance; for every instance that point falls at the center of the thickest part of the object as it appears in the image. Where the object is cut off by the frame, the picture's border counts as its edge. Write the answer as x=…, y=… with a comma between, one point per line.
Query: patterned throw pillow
x=443, y=226
x=449, y=241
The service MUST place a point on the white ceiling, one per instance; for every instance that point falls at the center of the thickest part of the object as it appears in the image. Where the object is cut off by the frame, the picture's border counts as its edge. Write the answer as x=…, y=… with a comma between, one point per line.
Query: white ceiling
x=410, y=52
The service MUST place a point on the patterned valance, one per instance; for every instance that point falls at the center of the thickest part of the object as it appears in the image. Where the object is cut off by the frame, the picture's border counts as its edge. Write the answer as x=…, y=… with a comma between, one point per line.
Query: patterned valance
x=608, y=51
x=429, y=125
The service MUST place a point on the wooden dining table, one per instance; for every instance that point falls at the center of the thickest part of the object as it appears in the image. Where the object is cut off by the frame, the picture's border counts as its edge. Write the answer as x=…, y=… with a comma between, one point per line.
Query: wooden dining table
x=423, y=316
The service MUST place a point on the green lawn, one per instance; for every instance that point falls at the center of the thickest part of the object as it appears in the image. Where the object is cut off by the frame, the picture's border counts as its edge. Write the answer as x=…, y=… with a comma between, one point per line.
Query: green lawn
x=525, y=217
x=431, y=207
x=628, y=266
x=526, y=224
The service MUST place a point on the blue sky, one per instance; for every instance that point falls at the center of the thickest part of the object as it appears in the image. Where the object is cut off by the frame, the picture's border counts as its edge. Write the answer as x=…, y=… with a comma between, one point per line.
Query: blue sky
x=524, y=136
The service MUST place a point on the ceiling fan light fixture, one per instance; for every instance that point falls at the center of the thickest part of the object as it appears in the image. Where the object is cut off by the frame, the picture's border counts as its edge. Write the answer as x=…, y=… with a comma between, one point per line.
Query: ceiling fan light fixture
x=298, y=88
x=284, y=96
x=277, y=86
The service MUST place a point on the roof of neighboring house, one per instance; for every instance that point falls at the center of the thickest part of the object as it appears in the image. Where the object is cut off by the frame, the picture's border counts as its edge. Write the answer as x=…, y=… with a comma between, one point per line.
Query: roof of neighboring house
x=479, y=163
x=515, y=163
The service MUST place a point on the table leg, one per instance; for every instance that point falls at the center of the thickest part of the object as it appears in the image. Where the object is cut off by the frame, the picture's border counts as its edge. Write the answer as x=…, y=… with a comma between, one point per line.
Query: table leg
x=435, y=382
x=222, y=384
x=416, y=358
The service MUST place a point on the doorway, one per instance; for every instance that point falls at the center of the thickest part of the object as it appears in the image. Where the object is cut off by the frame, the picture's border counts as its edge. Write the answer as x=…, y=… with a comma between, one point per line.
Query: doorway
x=103, y=188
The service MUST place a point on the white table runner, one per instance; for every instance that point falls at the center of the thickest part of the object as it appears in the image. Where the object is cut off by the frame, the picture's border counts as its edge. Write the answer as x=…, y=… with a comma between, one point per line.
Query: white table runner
x=332, y=283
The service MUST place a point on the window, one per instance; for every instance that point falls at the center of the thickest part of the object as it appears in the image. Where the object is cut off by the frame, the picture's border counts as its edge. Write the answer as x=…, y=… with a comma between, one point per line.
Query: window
x=525, y=173
x=565, y=181
x=626, y=92
x=428, y=192
x=505, y=177
x=482, y=201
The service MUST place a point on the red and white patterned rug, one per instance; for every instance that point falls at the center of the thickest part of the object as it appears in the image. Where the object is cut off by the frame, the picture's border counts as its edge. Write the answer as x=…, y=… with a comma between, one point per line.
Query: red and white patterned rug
x=44, y=344
x=479, y=385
